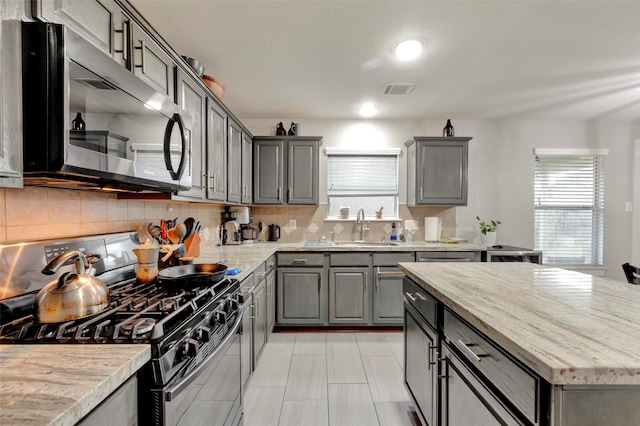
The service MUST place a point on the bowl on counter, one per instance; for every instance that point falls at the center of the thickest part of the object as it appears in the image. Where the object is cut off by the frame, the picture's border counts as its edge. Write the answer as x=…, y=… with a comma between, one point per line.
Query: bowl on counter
x=216, y=87
x=196, y=65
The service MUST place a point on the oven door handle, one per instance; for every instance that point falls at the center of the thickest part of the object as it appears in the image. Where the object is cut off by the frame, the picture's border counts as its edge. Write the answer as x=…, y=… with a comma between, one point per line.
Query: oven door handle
x=172, y=392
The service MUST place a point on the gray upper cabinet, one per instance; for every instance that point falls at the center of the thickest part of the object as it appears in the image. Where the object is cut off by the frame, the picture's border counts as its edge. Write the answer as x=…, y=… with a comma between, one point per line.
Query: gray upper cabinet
x=151, y=63
x=216, y=147
x=10, y=116
x=246, y=184
x=286, y=170
x=192, y=99
x=234, y=162
x=437, y=171
x=101, y=22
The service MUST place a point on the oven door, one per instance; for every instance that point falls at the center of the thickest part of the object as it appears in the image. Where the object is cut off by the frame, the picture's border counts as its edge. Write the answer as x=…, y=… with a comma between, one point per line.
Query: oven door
x=209, y=394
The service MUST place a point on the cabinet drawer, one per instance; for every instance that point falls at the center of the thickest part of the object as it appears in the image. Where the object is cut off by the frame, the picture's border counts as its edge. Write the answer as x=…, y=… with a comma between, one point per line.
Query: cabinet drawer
x=445, y=256
x=260, y=272
x=518, y=385
x=391, y=259
x=300, y=259
x=349, y=259
x=418, y=297
x=270, y=263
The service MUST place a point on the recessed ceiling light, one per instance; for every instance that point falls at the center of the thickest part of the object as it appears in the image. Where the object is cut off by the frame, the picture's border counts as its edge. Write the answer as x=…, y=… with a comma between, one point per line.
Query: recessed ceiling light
x=368, y=110
x=408, y=50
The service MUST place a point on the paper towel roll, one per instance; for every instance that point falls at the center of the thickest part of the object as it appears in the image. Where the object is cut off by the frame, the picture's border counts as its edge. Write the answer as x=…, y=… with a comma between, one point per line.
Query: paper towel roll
x=432, y=228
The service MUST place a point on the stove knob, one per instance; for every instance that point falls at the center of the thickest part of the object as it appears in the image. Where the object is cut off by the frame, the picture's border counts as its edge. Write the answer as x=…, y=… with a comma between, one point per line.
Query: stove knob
x=190, y=348
x=203, y=334
x=240, y=297
x=221, y=317
x=233, y=305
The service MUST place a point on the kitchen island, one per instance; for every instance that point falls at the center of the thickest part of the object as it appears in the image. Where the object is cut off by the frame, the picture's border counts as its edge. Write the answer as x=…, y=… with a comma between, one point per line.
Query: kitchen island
x=573, y=338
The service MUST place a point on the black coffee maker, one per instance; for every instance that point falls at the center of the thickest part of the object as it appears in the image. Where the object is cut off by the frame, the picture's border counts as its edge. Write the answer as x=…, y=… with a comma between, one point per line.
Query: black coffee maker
x=274, y=232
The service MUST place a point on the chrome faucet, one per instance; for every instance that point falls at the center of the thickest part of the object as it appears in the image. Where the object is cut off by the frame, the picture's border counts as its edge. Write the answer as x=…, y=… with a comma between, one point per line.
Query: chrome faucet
x=360, y=220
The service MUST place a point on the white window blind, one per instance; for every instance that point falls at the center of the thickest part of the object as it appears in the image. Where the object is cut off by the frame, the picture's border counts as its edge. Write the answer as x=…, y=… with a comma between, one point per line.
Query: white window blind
x=569, y=208
x=363, y=180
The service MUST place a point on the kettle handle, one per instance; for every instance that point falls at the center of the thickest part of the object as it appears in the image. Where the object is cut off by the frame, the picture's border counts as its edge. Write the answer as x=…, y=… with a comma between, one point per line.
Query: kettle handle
x=278, y=228
x=81, y=262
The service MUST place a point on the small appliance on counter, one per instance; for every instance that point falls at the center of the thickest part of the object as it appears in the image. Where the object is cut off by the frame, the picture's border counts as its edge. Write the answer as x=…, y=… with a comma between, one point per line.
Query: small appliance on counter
x=231, y=233
x=274, y=232
x=249, y=234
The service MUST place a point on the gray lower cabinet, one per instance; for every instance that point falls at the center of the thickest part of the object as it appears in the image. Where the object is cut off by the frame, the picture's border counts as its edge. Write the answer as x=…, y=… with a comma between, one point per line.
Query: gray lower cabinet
x=270, y=296
x=301, y=291
x=349, y=295
x=387, y=287
x=259, y=320
x=286, y=170
x=119, y=408
x=234, y=162
x=246, y=288
x=437, y=171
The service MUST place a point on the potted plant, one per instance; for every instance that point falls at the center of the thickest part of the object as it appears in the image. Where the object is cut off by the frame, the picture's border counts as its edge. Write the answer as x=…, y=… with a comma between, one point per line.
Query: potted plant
x=488, y=231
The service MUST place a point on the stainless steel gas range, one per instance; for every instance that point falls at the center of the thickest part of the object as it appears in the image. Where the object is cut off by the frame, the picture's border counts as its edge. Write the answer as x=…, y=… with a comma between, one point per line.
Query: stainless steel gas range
x=194, y=333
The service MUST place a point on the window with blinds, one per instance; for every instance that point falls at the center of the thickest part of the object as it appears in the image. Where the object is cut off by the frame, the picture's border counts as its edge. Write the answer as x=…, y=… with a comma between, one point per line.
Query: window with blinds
x=569, y=207
x=362, y=180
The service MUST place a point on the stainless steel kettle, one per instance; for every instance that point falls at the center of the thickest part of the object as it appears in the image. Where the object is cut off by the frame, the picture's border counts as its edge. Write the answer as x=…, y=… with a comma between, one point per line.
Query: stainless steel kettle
x=73, y=295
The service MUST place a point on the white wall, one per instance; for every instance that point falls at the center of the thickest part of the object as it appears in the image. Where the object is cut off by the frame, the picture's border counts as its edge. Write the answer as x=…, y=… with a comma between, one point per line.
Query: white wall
x=501, y=166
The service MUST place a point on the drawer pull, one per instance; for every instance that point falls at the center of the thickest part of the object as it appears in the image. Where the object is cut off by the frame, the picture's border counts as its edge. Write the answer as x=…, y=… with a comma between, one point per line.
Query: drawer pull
x=421, y=297
x=299, y=261
x=477, y=357
x=390, y=272
x=413, y=299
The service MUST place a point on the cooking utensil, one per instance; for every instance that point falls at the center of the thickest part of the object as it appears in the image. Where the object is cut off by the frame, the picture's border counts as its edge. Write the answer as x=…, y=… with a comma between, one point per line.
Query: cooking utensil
x=72, y=295
x=171, y=234
x=194, y=275
x=190, y=224
x=193, y=245
x=180, y=232
x=154, y=232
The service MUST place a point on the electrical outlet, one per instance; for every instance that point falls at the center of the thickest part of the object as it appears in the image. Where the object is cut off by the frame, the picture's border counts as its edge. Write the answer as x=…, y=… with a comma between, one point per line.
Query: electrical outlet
x=292, y=224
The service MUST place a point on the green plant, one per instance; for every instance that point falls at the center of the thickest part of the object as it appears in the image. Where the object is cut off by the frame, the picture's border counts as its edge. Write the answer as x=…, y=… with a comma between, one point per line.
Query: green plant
x=488, y=227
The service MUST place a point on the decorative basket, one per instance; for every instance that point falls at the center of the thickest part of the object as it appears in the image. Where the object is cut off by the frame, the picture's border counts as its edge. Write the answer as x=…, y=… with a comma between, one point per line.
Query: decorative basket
x=216, y=87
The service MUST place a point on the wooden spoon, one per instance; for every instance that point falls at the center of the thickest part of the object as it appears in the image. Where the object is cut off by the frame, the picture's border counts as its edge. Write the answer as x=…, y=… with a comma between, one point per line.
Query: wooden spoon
x=180, y=232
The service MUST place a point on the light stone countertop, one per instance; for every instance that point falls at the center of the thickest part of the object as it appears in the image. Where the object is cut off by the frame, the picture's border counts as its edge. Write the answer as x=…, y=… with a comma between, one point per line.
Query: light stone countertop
x=250, y=256
x=60, y=384
x=570, y=328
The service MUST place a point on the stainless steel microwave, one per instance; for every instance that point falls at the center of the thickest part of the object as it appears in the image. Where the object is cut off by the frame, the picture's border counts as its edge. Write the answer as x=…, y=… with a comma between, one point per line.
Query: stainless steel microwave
x=89, y=123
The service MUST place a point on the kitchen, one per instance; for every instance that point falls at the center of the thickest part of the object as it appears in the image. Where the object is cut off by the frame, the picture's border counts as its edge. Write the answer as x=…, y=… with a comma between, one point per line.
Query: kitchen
x=502, y=190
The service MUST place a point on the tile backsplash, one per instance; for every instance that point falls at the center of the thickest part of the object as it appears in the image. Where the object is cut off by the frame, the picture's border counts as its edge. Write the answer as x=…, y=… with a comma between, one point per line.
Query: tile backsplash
x=39, y=213
x=314, y=218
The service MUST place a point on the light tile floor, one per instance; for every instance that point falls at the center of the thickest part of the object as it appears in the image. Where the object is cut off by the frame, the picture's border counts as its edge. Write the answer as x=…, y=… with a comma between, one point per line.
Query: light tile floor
x=329, y=379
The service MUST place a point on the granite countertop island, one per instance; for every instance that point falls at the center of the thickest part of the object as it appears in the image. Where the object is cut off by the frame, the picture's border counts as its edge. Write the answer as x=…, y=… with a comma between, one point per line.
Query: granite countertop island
x=60, y=384
x=568, y=327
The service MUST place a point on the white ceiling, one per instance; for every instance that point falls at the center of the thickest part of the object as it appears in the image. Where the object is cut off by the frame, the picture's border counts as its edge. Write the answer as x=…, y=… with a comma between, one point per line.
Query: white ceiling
x=482, y=59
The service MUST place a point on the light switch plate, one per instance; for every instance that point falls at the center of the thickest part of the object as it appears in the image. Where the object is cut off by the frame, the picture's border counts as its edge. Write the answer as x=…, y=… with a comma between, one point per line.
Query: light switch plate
x=292, y=224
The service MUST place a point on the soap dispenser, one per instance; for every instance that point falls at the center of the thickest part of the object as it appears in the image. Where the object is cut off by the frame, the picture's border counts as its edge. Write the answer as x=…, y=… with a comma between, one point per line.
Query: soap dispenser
x=394, y=232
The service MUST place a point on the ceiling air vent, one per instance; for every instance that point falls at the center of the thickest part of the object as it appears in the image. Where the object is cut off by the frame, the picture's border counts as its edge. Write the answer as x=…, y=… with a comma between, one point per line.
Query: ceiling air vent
x=399, y=88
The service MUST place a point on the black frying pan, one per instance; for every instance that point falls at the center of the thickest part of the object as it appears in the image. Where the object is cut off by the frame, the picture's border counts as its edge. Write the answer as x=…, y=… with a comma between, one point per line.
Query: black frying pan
x=194, y=275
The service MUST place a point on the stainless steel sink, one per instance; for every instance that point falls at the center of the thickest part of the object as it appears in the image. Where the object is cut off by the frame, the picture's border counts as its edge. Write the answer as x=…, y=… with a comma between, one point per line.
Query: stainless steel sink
x=364, y=244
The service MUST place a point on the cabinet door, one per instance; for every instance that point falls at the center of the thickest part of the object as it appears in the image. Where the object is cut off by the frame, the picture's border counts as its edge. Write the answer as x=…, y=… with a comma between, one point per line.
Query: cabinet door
x=270, y=296
x=101, y=22
x=348, y=295
x=302, y=172
x=151, y=63
x=268, y=172
x=234, y=162
x=193, y=100
x=301, y=294
x=216, y=172
x=259, y=321
x=387, y=295
x=442, y=172
x=420, y=370
x=10, y=116
x=247, y=169
x=466, y=401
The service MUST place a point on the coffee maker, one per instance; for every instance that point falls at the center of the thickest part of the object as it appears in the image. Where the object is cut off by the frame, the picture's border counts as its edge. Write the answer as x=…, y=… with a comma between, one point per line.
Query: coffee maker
x=249, y=233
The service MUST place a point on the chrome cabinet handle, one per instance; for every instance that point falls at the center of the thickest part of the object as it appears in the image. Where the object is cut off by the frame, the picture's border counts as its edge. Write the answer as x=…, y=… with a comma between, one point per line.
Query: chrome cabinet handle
x=413, y=299
x=421, y=193
x=125, y=36
x=279, y=192
x=142, y=61
x=465, y=346
x=289, y=194
x=299, y=261
x=431, y=358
